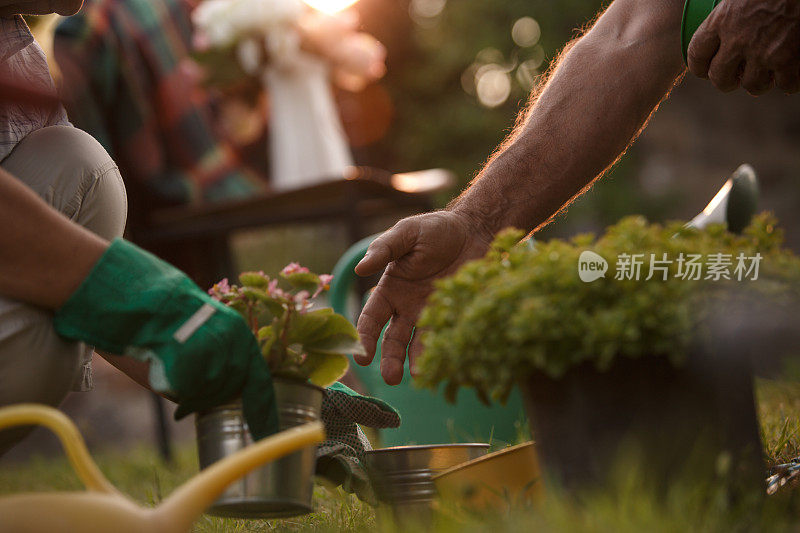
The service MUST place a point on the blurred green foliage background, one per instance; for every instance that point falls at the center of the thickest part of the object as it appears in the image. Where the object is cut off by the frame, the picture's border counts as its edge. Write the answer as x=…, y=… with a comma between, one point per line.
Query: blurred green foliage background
x=436, y=120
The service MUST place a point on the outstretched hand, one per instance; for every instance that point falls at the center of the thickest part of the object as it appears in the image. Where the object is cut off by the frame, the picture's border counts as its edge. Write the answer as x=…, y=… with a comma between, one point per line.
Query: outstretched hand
x=755, y=43
x=415, y=251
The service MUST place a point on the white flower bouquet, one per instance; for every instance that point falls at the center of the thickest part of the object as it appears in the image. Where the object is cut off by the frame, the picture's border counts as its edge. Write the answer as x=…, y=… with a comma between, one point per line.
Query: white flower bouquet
x=294, y=51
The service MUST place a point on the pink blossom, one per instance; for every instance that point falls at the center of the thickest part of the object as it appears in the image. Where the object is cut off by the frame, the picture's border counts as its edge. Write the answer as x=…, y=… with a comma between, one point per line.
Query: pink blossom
x=294, y=268
x=301, y=301
x=274, y=291
x=324, y=284
x=220, y=289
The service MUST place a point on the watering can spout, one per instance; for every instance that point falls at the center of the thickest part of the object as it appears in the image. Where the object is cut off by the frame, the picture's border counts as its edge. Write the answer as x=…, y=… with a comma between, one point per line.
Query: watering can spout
x=734, y=205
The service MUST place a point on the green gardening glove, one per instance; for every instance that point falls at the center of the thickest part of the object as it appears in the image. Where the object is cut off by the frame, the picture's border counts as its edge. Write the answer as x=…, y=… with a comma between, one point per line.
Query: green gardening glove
x=340, y=459
x=201, y=352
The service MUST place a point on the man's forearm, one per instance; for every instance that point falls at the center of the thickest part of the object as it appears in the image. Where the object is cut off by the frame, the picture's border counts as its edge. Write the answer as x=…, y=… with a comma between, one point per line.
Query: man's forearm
x=43, y=256
x=598, y=98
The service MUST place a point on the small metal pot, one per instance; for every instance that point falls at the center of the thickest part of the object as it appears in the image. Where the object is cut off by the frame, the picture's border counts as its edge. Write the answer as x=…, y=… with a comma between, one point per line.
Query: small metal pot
x=280, y=489
x=402, y=476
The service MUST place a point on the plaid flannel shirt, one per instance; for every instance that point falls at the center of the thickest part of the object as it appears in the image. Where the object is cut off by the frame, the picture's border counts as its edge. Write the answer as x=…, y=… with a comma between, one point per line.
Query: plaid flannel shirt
x=126, y=82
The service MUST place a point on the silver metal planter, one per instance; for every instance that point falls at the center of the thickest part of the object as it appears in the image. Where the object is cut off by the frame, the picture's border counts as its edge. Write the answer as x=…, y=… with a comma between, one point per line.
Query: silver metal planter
x=402, y=476
x=280, y=489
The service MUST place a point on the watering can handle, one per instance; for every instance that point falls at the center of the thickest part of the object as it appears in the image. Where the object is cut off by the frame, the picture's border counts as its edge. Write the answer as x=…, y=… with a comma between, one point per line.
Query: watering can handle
x=67, y=433
x=694, y=13
x=344, y=273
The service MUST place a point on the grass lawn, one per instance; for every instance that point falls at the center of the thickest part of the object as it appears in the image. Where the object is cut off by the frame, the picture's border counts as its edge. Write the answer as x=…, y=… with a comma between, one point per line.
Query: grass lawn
x=142, y=475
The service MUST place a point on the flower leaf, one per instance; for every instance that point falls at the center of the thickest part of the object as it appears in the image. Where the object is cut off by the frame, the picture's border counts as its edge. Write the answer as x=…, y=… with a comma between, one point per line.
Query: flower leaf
x=325, y=369
x=253, y=279
x=304, y=281
x=274, y=305
x=337, y=336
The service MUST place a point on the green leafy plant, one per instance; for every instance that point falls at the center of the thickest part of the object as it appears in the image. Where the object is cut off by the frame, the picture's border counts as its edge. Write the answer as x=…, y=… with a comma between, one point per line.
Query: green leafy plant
x=297, y=341
x=524, y=309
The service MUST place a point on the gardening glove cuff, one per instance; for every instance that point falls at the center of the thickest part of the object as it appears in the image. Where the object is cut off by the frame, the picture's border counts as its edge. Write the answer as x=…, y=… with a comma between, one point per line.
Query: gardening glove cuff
x=200, y=351
x=340, y=458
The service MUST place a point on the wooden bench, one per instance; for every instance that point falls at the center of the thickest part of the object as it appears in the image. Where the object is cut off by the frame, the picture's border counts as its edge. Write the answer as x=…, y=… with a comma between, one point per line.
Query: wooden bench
x=197, y=239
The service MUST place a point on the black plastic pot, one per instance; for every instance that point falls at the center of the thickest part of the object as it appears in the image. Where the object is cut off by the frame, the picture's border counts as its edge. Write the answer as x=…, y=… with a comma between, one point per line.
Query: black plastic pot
x=669, y=422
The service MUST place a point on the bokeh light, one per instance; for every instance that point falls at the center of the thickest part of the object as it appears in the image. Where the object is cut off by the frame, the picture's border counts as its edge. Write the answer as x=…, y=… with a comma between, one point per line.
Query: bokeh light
x=489, y=55
x=468, y=79
x=492, y=85
x=527, y=72
x=366, y=115
x=526, y=32
x=426, y=12
x=330, y=6
x=493, y=76
x=536, y=56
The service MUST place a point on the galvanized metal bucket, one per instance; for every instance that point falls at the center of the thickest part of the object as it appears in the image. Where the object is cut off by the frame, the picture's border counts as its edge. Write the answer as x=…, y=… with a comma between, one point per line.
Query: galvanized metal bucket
x=280, y=489
x=402, y=476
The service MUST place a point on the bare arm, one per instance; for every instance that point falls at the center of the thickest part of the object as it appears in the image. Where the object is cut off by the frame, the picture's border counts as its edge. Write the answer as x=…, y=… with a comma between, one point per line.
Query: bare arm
x=44, y=255
x=599, y=96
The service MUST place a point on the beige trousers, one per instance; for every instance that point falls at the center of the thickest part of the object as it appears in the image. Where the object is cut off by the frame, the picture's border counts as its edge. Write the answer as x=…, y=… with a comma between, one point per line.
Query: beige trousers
x=74, y=174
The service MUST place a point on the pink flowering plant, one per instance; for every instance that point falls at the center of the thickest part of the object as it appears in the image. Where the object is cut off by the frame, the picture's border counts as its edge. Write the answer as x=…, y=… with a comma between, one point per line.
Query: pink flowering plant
x=297, y=340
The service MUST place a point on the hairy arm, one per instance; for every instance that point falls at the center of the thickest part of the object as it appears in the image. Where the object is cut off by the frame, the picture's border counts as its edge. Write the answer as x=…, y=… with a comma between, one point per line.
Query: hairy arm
x=599, y=96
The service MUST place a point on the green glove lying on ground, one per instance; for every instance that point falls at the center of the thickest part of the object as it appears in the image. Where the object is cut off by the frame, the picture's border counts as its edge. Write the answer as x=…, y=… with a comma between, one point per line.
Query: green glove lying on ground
x=200, y=351
x=341, y=457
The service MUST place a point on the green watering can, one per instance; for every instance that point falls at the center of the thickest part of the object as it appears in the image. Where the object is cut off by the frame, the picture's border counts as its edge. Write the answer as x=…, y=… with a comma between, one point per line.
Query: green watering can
x=734, y=204
x=694, y=13
x=427, y=418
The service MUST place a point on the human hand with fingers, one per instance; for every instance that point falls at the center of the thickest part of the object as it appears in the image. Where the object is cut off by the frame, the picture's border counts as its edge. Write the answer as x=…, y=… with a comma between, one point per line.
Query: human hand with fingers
x=752, y=43
x=415, y=251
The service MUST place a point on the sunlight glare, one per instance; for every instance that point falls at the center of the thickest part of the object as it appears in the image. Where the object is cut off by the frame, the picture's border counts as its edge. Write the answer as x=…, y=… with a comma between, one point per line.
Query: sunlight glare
x=714, y=203
x=330, y=6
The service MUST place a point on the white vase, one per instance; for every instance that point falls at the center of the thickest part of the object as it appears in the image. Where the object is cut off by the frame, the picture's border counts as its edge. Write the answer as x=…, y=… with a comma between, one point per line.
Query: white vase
x=307, y=143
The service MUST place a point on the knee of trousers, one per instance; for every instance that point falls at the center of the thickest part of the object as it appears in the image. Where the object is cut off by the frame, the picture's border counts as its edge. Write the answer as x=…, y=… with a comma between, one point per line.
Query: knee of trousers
x=72, y=172
x=36, y=364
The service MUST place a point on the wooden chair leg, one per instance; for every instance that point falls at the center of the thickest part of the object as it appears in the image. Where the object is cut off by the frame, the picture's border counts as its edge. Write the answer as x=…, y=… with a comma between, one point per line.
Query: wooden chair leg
x=163, y=433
